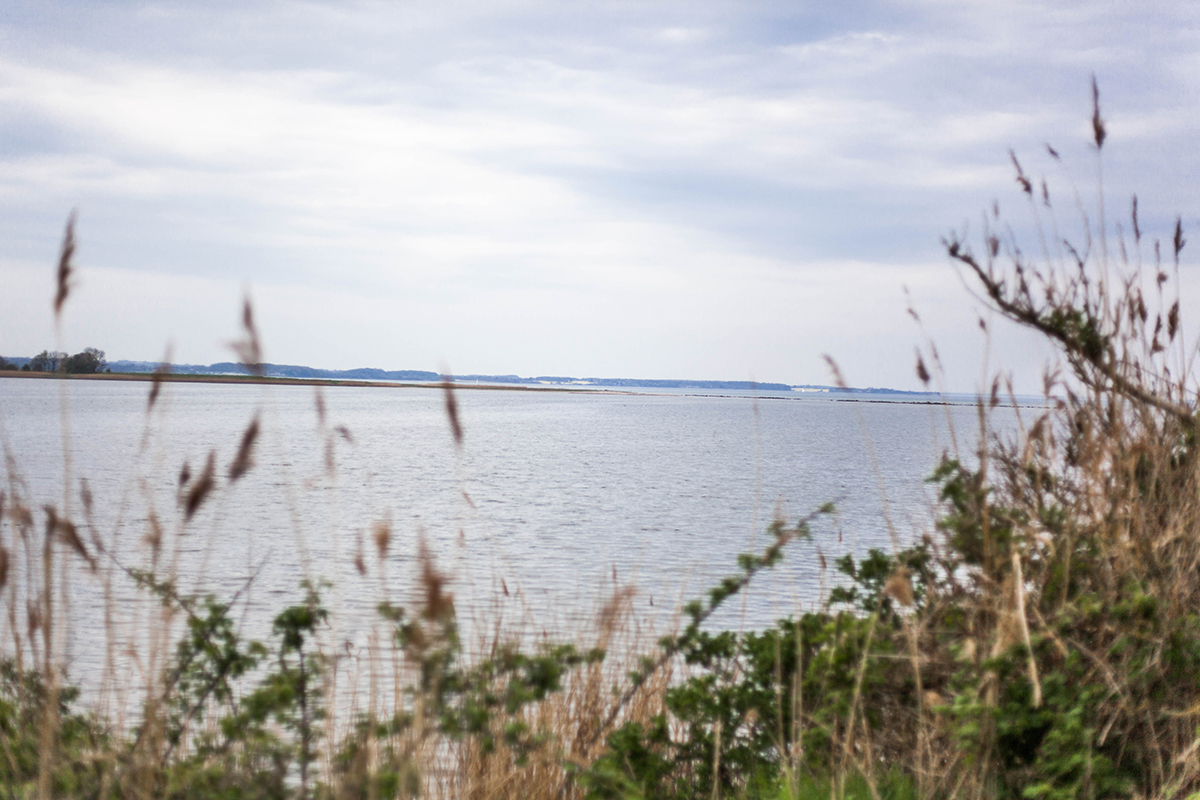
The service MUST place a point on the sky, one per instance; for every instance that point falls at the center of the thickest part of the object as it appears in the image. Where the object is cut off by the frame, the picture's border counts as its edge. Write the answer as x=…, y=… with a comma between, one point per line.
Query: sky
x=704, y=190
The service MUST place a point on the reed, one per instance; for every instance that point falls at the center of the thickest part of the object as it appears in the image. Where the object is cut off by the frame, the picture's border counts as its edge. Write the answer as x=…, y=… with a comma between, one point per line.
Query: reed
x=1040, y=640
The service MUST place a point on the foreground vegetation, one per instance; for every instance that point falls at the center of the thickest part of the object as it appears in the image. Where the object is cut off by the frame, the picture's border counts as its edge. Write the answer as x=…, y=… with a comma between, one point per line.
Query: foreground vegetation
x=1042, y=641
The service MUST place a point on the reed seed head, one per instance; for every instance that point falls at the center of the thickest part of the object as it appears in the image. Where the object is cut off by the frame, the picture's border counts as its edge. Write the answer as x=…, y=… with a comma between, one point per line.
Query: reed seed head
x=65, y=268
x=244, y=459
x=381, y=531
x=249, y=349
x=201, y=487
x=33, y=616
x=1025, y=183
x=360, y=561
x=838, y=380
x=922, y=372
x=452, y=409
x=319, y=402
x=154, y=536
x=439, y=604
x=1098, y=130
x=156, y=379
x=85, y=495
x=67, y=533
x=899, y=588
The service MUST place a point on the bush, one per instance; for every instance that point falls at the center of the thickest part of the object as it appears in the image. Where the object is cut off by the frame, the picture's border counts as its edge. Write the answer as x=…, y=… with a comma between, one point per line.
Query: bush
x=89, y=361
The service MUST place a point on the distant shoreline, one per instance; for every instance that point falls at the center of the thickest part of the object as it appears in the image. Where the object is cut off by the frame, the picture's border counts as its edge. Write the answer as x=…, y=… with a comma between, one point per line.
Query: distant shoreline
x=406, y=377
x=270, y=380
x=256, y=380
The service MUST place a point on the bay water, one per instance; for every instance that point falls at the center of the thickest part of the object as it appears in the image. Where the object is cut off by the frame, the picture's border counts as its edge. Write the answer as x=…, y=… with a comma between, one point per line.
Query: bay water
x=552, y=499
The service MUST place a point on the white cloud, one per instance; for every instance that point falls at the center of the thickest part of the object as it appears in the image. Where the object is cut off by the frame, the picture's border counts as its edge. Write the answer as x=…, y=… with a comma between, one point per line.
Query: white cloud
x=681, y=35
x=654, y=189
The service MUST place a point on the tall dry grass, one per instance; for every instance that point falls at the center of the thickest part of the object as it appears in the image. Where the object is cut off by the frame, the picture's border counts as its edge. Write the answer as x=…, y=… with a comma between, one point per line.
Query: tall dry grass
x=1055, y=628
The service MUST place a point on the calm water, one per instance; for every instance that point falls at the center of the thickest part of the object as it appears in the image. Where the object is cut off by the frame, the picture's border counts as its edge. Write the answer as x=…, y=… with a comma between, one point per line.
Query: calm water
x=550, y=495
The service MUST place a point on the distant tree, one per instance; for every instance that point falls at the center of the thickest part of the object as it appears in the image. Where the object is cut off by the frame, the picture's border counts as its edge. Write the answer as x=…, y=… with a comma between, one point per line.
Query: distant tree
x=47, y=361
x=5, y=364
x=88, y=362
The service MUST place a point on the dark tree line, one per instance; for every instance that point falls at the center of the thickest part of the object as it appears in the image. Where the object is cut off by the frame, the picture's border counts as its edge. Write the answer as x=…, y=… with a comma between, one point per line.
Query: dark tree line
x=86, y=362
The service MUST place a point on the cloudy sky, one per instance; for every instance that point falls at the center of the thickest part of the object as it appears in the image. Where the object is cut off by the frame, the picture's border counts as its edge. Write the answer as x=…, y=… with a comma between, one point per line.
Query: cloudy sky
x=702, y=189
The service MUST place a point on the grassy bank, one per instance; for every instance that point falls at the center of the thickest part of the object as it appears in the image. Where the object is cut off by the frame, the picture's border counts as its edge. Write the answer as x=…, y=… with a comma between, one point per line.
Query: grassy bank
x=1040, y=640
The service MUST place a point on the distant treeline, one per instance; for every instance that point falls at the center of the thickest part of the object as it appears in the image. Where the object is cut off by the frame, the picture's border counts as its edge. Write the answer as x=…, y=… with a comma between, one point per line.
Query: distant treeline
x=371, y=374
x=280, y=371
x=88, y=361
x=92, y=360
